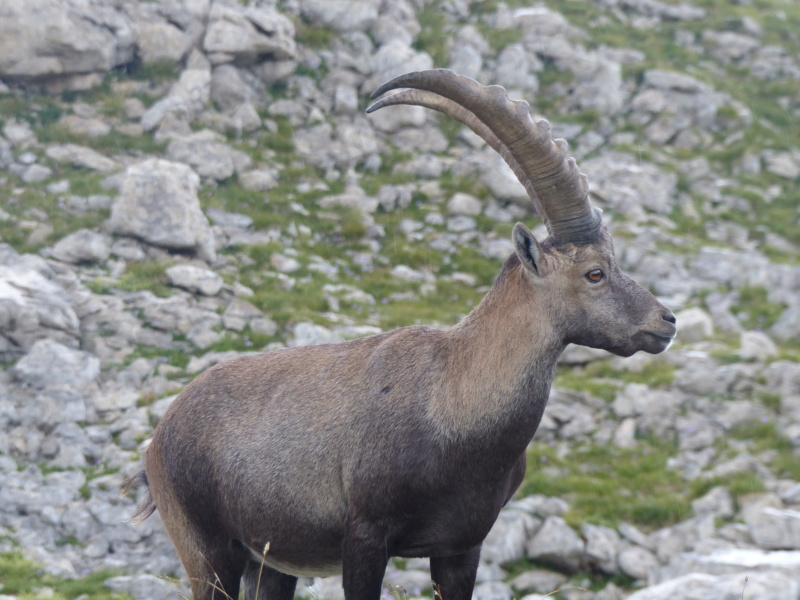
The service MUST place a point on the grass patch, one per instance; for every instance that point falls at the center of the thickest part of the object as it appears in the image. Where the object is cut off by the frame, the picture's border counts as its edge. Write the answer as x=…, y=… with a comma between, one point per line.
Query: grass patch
x=34, y=204
x=175, y=358
x=145, y=276
x=280, y=141
x=738, y=484
x=21, y=577
x=433, y=37
x=108, y=144
x=246, y=341
x=602, y=380
x=754, y=310
x=607, y=486
x=156, y=72
x=314, y=36
x=498, y=39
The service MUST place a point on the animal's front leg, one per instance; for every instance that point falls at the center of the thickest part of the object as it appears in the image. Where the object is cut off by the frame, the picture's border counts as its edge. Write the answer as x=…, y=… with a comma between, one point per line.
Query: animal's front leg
x=364, y=559
x=454, y=576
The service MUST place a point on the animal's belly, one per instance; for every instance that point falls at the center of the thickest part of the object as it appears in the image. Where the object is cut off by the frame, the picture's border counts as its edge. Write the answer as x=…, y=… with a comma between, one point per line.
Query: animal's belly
x=321, y=569
x=444, y=533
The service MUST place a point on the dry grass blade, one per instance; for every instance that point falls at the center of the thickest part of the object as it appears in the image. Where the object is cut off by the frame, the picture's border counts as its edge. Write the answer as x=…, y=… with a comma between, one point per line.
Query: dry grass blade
x=217, y=585
x=569, y=587
x=437, y=591
x=261, y=568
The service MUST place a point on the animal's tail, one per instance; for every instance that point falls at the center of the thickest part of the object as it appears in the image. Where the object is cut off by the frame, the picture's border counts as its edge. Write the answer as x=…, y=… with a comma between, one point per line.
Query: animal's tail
x=147, y=506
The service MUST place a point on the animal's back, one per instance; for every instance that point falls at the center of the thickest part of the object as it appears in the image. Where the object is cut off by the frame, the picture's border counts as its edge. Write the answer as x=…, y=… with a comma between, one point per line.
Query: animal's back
x=295, y=428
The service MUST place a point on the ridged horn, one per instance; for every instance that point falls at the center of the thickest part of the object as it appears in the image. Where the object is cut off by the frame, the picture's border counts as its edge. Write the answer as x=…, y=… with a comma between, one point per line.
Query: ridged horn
x=558, y=190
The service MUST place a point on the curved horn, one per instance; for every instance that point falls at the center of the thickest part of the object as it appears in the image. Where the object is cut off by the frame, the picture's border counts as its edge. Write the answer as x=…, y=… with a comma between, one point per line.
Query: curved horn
x=559, y=191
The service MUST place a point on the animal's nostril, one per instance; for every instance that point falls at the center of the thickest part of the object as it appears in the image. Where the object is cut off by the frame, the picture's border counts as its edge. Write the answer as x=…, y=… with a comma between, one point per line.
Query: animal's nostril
x=669, y=317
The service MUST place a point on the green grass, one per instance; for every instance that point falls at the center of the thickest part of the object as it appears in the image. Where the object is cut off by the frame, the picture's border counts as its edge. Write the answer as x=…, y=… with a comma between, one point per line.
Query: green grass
x=175, y=358
x=21, y=577
x=498, y=39
x=33, y=199
x=145, y=276
x=764, y=436
x=607, y=486
x=111, y=143
x=602, y=380
x=433, y=37
x=314, y=36
x=754, y=309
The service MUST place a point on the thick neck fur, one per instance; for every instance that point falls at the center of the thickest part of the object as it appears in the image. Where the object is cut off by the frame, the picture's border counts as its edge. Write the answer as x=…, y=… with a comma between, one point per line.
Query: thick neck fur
x=499, y=364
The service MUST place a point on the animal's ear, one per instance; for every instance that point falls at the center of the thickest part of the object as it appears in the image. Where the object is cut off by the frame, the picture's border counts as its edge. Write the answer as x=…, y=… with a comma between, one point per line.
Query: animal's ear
x=526, y=247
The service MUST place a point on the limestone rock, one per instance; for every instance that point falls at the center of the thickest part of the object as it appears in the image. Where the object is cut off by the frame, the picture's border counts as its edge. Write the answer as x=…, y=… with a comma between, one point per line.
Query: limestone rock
x=672, y=103
x=699, y=586
x=258, y=180
x=787, y=327
x=158, y=204
x=195, y=279
x=19, y=133
x=508, y=536
x=558, y=544
x=81, y=156
x=85, y=126
x=636, y=562
x=209, y=157
x=161, y=41
x=241, y=314
x=718, y=502
x=308, y=334
x=774, y=529
x=393, y=59
x=33, y=307
x=501, y=181
x=538, y=580
x=345, y=15
x=62, y=43
x=541, y=506
x=83, y=246
x=181, y=314
x=50, y=363
x=492, y=590
x=602, y=546
x=187, y=97
x=756, y=346
x=628, y=184
x=36, y=173
x=229, y=88
x=143, y=586
x=464, y=204
x=246, y=34
x=694, y=325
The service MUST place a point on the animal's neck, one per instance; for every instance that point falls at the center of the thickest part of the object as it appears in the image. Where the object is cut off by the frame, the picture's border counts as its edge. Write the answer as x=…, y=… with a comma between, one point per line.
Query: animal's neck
x=500, y=362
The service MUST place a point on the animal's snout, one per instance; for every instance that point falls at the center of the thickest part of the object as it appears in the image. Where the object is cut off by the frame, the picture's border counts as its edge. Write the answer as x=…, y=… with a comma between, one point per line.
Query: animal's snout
x=669, y=317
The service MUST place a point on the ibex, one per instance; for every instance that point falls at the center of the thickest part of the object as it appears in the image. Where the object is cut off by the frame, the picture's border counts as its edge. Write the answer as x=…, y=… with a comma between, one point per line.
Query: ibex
x=329, y=459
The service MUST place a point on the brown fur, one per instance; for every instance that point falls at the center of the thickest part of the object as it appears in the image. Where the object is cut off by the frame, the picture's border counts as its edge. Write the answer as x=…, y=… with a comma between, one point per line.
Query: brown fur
x=406, y=443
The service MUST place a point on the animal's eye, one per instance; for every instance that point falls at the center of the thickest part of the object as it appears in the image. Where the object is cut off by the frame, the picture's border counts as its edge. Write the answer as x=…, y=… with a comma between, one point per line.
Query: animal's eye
x=595, y=275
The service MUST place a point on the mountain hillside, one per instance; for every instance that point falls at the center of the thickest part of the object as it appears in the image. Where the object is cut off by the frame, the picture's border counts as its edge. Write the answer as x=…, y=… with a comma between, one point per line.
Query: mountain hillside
x=182, y=182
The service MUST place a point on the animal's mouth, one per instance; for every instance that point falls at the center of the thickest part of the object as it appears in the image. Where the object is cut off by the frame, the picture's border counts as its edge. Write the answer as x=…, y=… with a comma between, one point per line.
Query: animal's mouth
x=662, y=339
x=664, y=335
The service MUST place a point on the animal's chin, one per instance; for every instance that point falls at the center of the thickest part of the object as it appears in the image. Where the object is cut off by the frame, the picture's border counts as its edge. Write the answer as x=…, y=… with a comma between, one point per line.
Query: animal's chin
x=656, y=343
x=646, y=341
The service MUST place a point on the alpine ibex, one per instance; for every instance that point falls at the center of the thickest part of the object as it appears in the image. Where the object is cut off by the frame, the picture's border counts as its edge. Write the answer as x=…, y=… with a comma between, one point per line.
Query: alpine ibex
x=407, y=443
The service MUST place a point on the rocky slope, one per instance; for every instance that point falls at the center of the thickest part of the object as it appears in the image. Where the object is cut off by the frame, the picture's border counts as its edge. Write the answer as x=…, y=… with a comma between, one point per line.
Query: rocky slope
x=182, y=182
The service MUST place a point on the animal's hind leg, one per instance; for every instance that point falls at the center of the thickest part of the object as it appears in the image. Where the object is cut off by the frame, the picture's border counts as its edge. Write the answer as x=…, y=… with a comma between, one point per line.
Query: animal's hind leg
x=454, y=576
x=263, y=583
x=364, y=559
x=215, y=582
x=214, y=566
